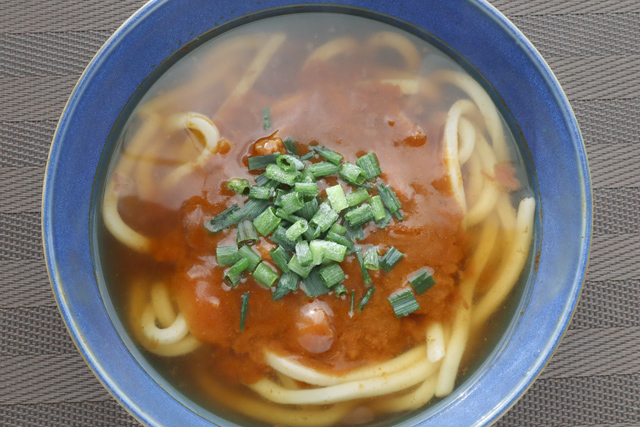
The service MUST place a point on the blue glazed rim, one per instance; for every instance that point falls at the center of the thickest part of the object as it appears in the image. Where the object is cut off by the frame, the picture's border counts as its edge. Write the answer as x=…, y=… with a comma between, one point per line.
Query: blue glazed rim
x=472, y=28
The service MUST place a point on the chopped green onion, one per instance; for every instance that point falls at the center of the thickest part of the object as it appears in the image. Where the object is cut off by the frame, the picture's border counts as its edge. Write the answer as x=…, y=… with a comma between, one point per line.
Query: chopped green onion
x=276, y=173
x=253, y=257
x=384, y=221
x=352, y=173
x=328, y=154
x=331, y=275
x=337, y=198
x=323, y=169
x=297, y=229
x=306, y=176
x=261, y=162
x=266, y=118
x=313, y=284
x=325, y=217
x=254, y=207
x=365, y=299
x=312, y=234
x=422, y=280
x=309, y=155
x=263, y=193
x=290, y=145
x=280, y=213
x=307, y=189
x=290, y=163
x=358, y=197
x=330, y=250
x=227, y=255
x=338, y=229
x=365, y=273
x=341, y=240
x=390, y=259
x=353, y=298
x=290, y=202
x=243, y=310
x=281, y=258
x=339, y=289
x=363, y=185
x=288, y=282
x=377, y=207
x=265, y=275
x=224, y=219
x=398, y=215
x=266, y=222
x=238, y=185
x=369, y=164
x=354, y=233
x=262, y=180
x=303, y=253
x=234, y=274
x=359, y=215
x=309, y=209
x=371, y=259
x=317, y=252
x=279, y=237
x=389, y=198
x=295, y=266
x=403, y=303
x=246, y=233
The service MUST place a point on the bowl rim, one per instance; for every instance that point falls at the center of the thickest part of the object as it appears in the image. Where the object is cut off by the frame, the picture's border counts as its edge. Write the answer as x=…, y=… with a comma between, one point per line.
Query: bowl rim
x=153, y=6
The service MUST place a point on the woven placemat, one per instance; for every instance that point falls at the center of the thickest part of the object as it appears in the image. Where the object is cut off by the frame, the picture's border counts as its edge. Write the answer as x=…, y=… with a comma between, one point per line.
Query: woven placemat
x=593, y=47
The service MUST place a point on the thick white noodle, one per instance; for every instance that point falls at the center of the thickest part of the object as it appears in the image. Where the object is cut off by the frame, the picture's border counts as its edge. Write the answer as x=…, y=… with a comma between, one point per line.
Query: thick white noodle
x=170, y=335
x=162, y=306
x=409, y=401
x=490, y=192
x=399, y=43
x=180, y=348
x=435, y=342
x=331, y=49
x=467, y=134
x=291, y=368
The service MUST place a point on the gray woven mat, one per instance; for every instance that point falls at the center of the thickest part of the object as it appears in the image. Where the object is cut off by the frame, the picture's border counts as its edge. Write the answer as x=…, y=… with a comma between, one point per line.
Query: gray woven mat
x=593, y=46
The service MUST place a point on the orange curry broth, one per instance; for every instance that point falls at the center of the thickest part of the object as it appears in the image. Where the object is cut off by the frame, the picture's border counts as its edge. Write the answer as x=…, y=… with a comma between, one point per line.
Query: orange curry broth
x=352, y=120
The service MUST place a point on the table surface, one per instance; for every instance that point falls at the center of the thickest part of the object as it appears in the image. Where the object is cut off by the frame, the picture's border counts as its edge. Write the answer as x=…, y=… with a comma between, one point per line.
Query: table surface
x=593, y=46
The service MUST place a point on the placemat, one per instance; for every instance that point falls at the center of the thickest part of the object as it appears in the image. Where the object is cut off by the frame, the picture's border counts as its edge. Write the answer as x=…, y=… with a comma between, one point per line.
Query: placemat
x=592, y=46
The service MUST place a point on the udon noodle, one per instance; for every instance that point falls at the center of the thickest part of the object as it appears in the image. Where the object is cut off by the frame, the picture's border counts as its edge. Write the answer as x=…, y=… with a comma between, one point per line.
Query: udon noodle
x=193, y=132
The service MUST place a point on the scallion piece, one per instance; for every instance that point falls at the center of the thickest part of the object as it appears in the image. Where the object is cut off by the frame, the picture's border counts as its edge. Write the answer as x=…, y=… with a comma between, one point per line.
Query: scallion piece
x=306, y=176
x=358, y=197
x=246, y=233
x=280, y=213
x=365, y=273
x=377, y=207
x=312, y=233
x=265, y=275
x=307, y=189
x=266, y=118
x=336, y=197
x=253, y=257
x=365, y=299
x=371, y=259
x=323, y=169
x=341, y=240
x=234, y=274
x=238, y=185
x=354, y=233
x=403, y=303
x=261, y=162
x=276, y=173
x=313, y=284
x=303, y=253
x=290, y=145
x=328, y=154
x=290, y=163
x=297, y=229
x=338, y=229
x=262, y=179
x=339, y=289
x=254, y=207
x=421, y=281
x=317, y=252
x=369, y=164
x=330, y=250
x=288, y=282
x=281, y=258
x=263, y=193
x=309, y=155
x=227, y=255
x=224, y=219
x=359, y=215
x=324, y=218
x=384, y=221
x=331, y=275
x=389, y=198
x=279, y=237
x=266, y=222
x=243, y=310
x=295, y=266
x=309, y=209
x=352, y=173
x=390, y=259
x=398, y=215
x=363, y=185
x=290, y=202
x=353, y=298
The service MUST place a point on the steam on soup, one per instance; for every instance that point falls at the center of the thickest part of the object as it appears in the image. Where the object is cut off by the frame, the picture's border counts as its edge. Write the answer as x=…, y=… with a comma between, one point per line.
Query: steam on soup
x=310, y=218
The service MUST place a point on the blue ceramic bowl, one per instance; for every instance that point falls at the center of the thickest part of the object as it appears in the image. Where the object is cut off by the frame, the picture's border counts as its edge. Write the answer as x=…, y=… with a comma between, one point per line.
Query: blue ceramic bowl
x=530, y=98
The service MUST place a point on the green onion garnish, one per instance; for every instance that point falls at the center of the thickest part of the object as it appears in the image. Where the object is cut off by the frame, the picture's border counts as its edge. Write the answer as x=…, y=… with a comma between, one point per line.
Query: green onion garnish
x=266, y=118
x=354, y=233
x=389, y=198
x=352, y=173
x=341, y=240
x=365, y=299
x=280, y=213
x=246, y=233
x=290, y=163
x=253, y=257
x=265, y=275
x=290, y=202
x=313, y=284
x=266, y=222
x=338, y=229
x=398, y=215
x=330, y=250
x=353, y=298
x=279, y=237
x=337, y=198
x=224, y=219
x=307, y=189
x=276, y=173
x=369, y=164
x=234, y=274
x=331, y=275
x=288, y=282
x=323, y=169
x=253, y=207
x=377, y=207
x=263, y=193
x=238, y=185
x=365, y=273
x=403, y=303
x=309, y=209
x=421, y=281
x=358, y=197
x=295, y=266
x=359, y=215
x=243, y=310
x=303, y=253
x=384, y=221
x=281, y=258
x=227, y=255
x=325, y=217
x=290, y=145
x=371, y=259
x=262, y=180
x=297, y=229
x=390, y=259
x=261, y=162
x=339, y=289
x=328, y=154
x=309, y=155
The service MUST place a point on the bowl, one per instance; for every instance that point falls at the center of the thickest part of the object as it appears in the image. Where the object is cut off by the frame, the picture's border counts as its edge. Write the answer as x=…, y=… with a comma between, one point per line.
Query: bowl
x=530, y=98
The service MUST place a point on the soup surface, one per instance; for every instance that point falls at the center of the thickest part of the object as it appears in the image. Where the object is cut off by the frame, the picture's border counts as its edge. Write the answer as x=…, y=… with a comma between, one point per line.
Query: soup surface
x=348, y=352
